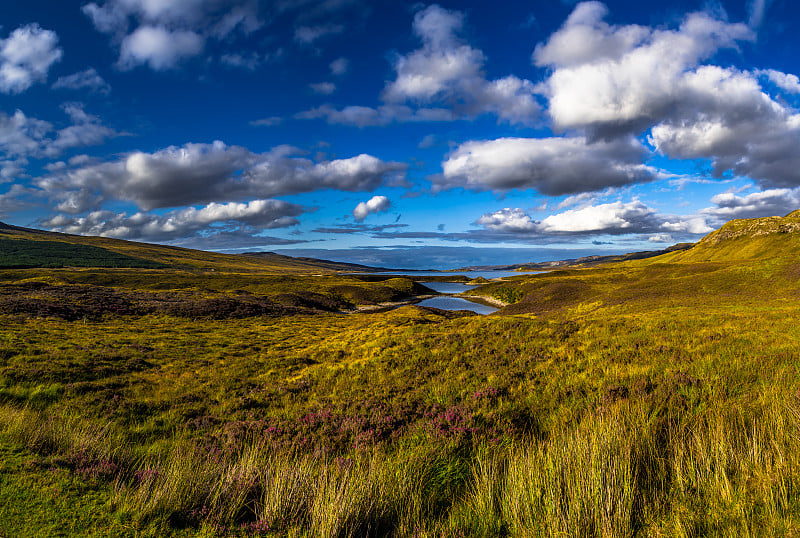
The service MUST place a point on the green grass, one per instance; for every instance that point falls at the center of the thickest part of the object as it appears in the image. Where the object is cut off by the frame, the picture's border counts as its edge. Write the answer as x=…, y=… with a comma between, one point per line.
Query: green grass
x=654, y=397
x=28, y=254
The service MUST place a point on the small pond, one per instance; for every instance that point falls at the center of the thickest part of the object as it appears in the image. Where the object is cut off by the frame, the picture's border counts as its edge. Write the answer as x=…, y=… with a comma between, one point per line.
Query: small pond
x=455, y=303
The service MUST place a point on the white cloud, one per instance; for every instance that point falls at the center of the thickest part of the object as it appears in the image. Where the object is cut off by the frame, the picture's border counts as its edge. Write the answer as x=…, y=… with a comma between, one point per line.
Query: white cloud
x=757, y=9
x=739, y=128
x=258, y=214
x=376, y=204
x=160, y=48
x=323, y=88
x=785, y=81
x=695, y=225
x=552, y=166
x=339, y=66
x=615, y=217
x=22, y=136
x=201, y=173
x=26, y=56
x=441, y=81
x=661, y=238
x=86, y=130
x=88, y=79
x=769, y=203
x=163, y=33
x=621, y=79
x=513, y=220
x=448, y=70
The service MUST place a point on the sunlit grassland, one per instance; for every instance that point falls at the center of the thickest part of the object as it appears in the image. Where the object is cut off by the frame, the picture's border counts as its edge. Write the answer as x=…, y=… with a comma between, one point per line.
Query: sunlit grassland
x=656, y=397
x=604, y=422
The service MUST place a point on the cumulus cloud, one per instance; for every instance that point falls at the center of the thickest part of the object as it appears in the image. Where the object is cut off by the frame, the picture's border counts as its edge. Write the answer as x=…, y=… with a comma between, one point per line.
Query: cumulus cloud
x=616, y=218
x=200, y=173
x=22, y=136
x=160, y=48
x=165, y=33
x=740, y=129
x=785, y=81
x=258, y=214
x=376, y=204
x=769, y=203
x=442, y=80
x=514, y=220
x=26, y=56
x=552, y=166
x=621, y=79
x=88, y=79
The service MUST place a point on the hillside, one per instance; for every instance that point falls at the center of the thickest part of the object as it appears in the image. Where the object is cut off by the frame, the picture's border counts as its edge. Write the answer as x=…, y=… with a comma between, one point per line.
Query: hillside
x=30, y=248
x=741, y=240
x=745, y=262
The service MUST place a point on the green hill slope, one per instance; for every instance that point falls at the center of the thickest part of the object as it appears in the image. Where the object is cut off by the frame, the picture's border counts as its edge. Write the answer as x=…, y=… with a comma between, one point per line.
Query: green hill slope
x=768, y=238
x=29, y=248
x=747, y=263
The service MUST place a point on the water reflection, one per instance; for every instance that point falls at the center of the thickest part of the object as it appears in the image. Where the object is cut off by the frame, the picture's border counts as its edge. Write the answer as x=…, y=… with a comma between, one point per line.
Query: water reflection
x=454, y=303
x=448, y=287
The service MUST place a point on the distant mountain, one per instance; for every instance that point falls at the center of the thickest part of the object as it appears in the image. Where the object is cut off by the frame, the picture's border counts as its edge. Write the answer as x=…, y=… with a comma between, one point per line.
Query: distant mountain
x=586, y=261
x=323, y=264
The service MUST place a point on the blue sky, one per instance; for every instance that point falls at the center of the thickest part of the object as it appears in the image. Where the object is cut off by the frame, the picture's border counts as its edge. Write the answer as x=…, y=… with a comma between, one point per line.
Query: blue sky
x=399, y=133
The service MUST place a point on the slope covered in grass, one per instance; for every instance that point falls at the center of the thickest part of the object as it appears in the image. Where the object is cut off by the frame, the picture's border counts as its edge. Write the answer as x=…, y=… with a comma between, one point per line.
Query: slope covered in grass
x=29, y=254
x=42, y=247
x=653, y=397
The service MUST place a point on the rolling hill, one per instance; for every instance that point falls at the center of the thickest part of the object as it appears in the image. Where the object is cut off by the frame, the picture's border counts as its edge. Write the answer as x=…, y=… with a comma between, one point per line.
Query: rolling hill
x=30, y=248
x=746, y=262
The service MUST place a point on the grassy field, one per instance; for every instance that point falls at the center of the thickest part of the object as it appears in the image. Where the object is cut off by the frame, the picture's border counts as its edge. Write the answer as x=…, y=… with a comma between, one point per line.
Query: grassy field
x=655, y=397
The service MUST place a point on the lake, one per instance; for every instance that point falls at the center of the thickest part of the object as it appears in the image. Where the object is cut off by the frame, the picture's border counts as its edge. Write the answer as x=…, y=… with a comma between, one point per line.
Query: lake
x=448, y=287
x=455, y=303
x=488, y=275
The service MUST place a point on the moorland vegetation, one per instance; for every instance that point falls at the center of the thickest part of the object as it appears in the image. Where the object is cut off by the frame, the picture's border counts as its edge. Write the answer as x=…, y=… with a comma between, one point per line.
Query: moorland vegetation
x=243, y=396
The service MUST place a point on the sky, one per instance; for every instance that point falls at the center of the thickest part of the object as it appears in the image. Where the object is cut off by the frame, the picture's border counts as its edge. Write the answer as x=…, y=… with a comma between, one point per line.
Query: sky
x=402, y=134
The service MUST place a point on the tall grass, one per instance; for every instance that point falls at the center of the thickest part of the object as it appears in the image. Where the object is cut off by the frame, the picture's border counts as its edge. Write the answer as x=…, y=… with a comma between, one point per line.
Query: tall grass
x=630, y=470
